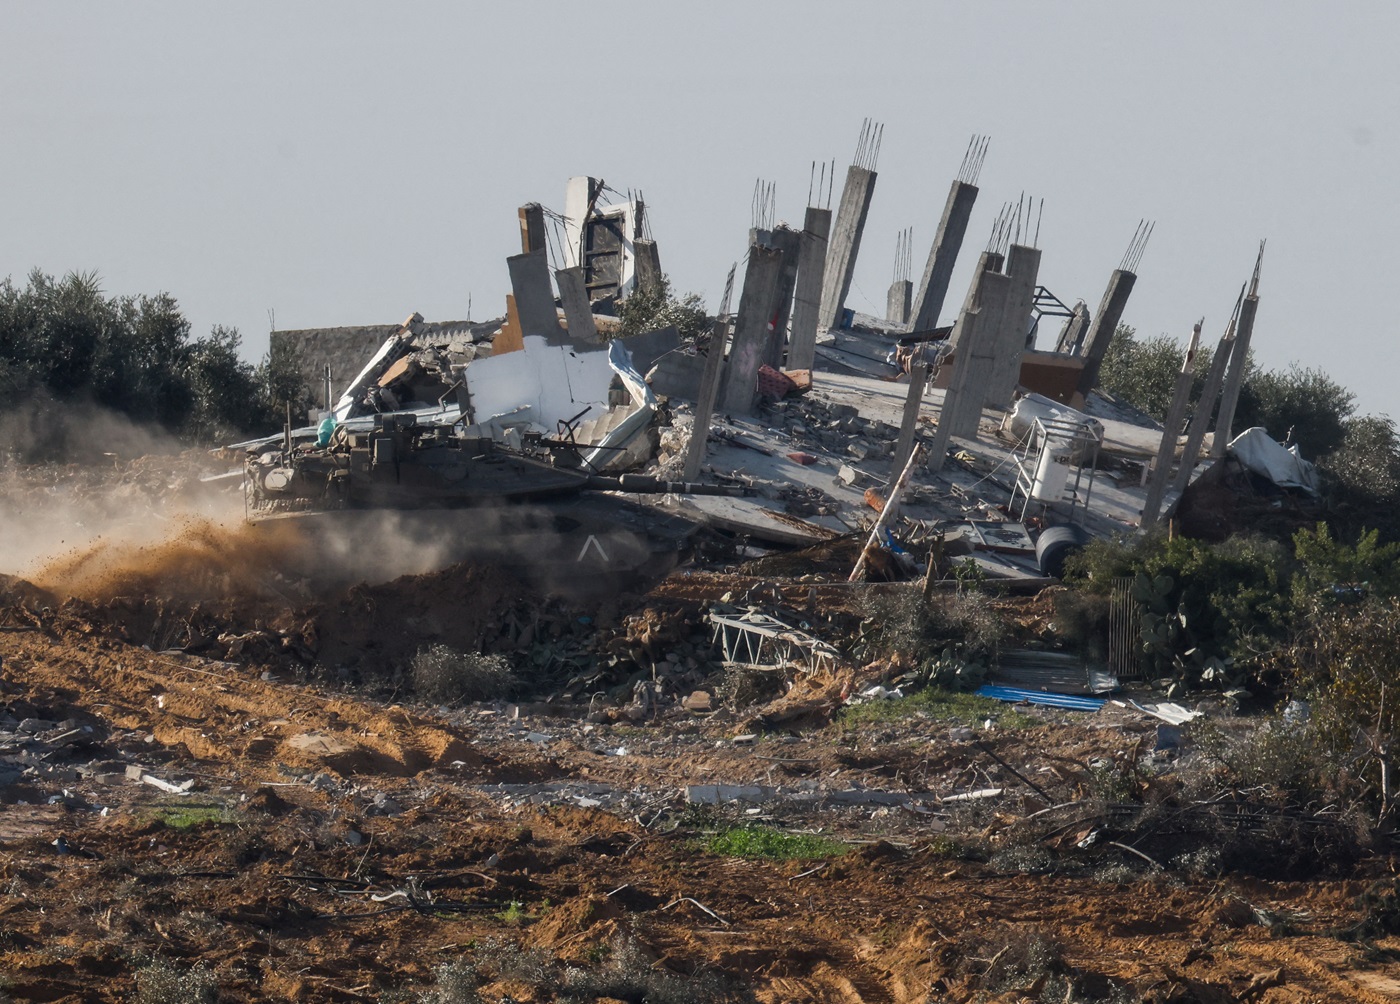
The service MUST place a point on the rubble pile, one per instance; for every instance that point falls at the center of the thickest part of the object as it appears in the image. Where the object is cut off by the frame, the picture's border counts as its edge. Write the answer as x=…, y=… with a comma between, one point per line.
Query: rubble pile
x=607, y=630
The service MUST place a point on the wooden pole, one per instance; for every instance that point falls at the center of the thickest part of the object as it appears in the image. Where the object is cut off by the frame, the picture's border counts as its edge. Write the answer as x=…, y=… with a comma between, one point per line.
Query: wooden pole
x=891, y=506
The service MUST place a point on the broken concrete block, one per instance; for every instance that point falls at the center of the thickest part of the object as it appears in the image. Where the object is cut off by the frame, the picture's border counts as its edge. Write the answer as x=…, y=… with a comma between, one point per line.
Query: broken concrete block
x=383, y=805
x=166, y=786
x=715, y=794
x=650, y=346
x=698, y=701
x=774, y=384
x=677, y=374
x=802, y=379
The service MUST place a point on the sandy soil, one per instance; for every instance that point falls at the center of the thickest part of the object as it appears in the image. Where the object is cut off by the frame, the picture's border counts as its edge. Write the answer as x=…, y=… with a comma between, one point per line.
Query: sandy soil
x=326, y=843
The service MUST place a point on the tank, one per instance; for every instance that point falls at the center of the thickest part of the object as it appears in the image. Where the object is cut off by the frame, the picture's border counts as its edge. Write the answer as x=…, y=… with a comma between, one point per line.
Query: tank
x=537, y=507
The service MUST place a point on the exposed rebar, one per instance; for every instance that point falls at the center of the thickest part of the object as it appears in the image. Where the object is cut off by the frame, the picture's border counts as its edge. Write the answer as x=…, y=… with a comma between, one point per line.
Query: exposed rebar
x=1133, y=256
x=872, y=133
x=1001, y=229
x=1258, y=264
x=728, y=291
x=765, y=204
x=904, y=255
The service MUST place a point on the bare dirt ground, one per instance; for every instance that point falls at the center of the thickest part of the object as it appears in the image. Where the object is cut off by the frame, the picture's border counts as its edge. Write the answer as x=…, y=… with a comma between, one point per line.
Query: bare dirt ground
x=304, y=836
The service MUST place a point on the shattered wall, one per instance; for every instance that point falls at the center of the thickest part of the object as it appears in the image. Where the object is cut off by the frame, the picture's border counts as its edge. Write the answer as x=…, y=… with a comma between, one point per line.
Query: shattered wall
x=540, y=385
x=347, y=349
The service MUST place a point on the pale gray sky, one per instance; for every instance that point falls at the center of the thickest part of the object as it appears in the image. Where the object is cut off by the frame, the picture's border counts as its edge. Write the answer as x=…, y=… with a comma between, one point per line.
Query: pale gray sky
x=348, y=163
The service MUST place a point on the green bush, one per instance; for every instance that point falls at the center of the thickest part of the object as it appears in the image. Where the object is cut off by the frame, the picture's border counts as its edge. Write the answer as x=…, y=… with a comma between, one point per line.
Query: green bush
x=765, y=842
x=656, y=306
x=443, y=674
x=66, y=341
x=162, y=982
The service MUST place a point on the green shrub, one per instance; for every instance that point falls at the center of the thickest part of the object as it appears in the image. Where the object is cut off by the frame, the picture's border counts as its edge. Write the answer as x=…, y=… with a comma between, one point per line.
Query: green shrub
x=446, y=675
x=939, y=704
x=904, y=623
x=455, y=983
x=766, y=842
x=162, y=982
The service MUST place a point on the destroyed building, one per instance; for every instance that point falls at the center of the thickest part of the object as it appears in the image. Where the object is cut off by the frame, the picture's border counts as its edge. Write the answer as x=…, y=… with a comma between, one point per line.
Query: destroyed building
x=960, y=444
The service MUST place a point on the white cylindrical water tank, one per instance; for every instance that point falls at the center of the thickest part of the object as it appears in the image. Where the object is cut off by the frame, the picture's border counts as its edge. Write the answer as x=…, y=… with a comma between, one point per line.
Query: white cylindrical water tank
x=1052, y=471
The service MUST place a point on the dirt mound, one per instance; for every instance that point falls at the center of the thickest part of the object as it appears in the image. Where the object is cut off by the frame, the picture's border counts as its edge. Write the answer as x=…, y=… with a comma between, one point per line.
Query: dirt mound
x=469, y=607
x=308, y=592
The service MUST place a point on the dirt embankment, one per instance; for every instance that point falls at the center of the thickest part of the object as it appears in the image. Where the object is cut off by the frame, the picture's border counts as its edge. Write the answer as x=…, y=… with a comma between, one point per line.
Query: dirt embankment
x=337, y=849
x=308, y=842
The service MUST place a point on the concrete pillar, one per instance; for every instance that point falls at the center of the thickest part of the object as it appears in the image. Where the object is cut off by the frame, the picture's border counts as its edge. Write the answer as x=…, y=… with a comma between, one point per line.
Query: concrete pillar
x=1115, y=298
x=705, y=400
x=898, y=301
x=534, y=296
x=573, y=295
x=845, y=243
x=1161, y=469
x=531, y=227
x=1071, y=338
x=966, y=329
x=646, y=263
x=790, y=243
x=1023, y=268
x=580, y=195
x=976, y=357
x=1234, y=378
x=918, y=386
x=938, y=271
x=806, y=301
x=987, y=261
x=1210, y=393
x=751, y=329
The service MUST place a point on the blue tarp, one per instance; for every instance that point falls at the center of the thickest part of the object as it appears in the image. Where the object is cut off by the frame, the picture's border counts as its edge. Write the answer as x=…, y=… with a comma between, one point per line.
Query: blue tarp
x=1015, y=695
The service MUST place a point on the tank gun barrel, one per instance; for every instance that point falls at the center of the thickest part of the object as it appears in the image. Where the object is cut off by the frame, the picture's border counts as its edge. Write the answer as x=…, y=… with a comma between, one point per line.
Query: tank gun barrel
x=641, y=484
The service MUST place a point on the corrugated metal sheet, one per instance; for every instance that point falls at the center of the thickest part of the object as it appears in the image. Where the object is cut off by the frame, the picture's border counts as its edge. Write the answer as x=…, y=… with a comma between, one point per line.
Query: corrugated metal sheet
x=1016, y=695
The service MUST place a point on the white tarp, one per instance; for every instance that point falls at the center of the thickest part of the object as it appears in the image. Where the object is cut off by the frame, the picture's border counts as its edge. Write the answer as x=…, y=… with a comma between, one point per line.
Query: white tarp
x=1282, y=465
x=626, y=431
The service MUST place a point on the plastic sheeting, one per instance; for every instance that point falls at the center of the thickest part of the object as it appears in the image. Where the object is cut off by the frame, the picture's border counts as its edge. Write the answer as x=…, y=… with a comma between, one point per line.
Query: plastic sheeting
x=1283, y=465
x=643, y=404
x=1016, y=695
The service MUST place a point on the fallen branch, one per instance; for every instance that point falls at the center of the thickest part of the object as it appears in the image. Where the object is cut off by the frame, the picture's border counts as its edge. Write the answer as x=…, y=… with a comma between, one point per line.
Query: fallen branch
x=696, y=902
x=810, y=871
x=1134, y=850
